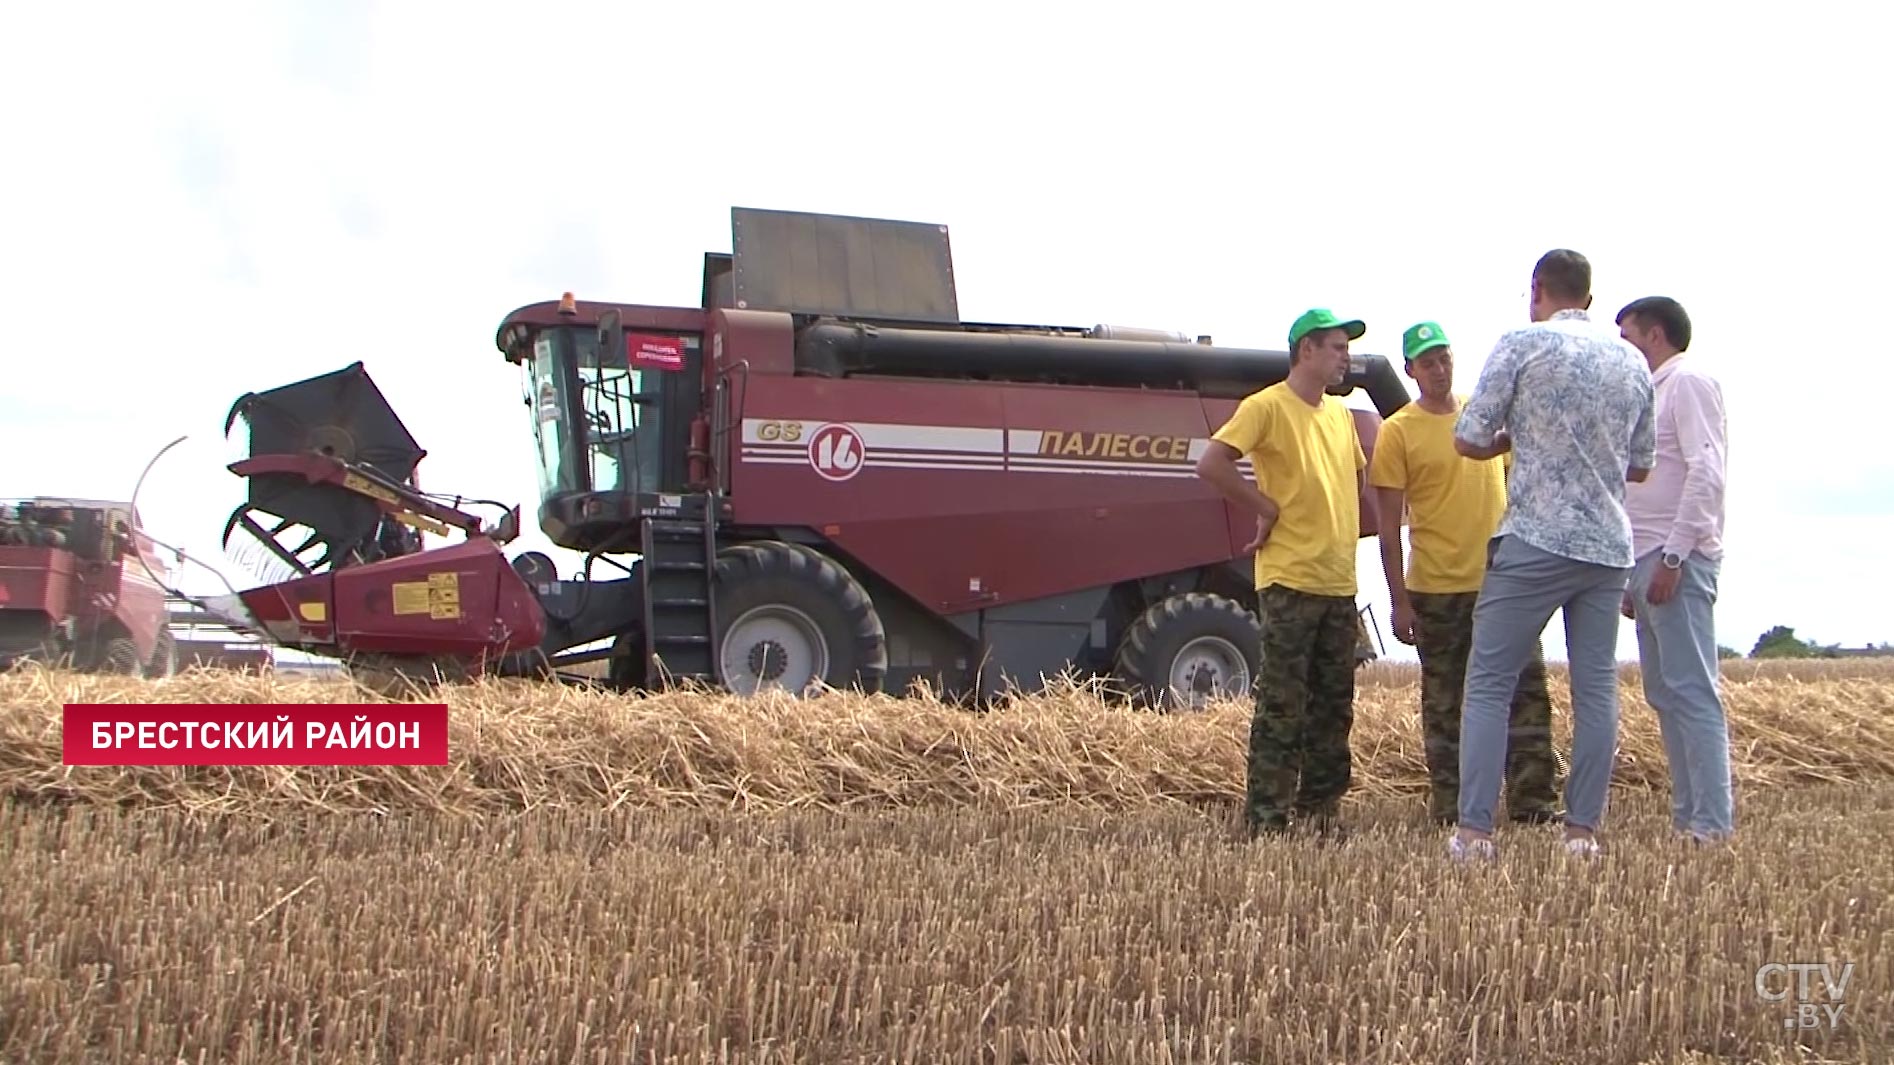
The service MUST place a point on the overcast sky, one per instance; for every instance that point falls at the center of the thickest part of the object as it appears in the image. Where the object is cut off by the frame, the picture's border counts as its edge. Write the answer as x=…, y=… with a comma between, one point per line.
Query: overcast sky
x=211, y=198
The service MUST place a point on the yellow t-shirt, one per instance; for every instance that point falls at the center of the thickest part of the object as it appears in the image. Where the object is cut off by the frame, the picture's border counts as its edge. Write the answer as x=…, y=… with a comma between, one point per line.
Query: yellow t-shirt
x=1454, y=503
x=1307, y=459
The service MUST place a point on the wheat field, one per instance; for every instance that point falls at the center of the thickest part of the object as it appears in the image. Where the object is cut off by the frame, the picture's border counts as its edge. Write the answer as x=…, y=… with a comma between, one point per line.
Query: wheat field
x=687, y=878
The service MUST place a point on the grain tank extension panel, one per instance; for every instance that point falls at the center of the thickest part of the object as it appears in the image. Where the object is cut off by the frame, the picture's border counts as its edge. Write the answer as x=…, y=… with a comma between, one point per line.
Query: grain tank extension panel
x=818, y=264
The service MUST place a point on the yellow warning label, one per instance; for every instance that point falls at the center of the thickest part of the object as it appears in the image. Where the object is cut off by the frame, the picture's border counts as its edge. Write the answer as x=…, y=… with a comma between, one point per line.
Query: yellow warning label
x=443, y=594
x=316, y=612
x=411, y=597
x=438, y=597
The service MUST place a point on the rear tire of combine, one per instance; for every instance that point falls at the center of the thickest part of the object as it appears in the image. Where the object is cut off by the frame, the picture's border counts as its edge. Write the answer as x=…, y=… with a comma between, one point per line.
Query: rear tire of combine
x=625, y=670
x=790, y=618
x=164, y=658
x=1190, y=649
x=120, y=658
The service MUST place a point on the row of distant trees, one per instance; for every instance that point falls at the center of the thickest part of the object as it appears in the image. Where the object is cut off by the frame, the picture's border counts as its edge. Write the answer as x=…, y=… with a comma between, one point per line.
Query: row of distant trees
x=1782, y=642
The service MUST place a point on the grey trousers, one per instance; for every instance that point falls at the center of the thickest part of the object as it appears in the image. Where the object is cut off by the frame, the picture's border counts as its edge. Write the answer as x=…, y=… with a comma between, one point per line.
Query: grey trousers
x=1677, y=646
x=1524, y=587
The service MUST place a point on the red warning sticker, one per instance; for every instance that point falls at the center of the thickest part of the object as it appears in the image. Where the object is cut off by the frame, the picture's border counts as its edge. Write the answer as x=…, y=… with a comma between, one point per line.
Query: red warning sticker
x=654, y=352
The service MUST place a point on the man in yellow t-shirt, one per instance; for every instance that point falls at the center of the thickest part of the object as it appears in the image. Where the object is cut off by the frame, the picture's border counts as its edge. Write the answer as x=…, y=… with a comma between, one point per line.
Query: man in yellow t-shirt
x=1453, y=506
x=1309, y=463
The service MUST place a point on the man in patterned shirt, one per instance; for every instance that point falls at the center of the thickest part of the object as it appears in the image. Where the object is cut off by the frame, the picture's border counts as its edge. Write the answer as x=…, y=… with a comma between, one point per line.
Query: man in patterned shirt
x=1451, y=505
x=1573, y=401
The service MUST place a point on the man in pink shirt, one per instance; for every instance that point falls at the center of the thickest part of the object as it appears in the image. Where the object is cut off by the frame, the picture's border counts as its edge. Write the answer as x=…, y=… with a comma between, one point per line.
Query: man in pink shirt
x=1677, y=532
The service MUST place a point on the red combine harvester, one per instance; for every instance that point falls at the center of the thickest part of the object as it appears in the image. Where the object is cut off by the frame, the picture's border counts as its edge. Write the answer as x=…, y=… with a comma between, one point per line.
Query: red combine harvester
x=827, y=478
x=75, y=591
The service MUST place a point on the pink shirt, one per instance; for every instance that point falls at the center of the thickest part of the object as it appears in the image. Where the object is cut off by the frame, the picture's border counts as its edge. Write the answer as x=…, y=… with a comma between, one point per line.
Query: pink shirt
x=1679, y=507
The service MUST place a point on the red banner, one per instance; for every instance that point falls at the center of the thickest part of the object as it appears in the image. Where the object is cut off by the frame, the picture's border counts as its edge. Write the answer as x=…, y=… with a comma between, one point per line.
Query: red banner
x=654, y=352
x=255, y=734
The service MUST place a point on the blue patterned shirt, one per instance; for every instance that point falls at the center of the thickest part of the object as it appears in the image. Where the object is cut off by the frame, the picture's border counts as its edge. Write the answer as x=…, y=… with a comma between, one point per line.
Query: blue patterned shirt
x=1577, y=400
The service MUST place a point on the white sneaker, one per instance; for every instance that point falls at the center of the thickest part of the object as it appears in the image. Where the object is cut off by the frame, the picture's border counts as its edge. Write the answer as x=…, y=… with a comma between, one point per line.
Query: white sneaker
x=1582, y=846
x=1478, y=850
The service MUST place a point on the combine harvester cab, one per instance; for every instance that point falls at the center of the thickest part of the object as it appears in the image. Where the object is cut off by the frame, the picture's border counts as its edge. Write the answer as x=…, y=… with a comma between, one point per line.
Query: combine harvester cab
x=77, y=588
x=328, y=462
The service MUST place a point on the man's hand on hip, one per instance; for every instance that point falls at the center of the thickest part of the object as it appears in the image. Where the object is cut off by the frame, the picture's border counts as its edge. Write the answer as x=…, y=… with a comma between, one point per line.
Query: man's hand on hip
x=1263, y=529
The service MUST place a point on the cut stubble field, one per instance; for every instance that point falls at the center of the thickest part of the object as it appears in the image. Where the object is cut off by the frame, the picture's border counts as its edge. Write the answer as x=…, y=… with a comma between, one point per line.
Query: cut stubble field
x=685, y=878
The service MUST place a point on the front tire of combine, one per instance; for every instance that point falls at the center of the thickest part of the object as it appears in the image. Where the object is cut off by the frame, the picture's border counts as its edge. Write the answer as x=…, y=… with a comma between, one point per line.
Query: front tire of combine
x=1190, y=650
x=793, y=619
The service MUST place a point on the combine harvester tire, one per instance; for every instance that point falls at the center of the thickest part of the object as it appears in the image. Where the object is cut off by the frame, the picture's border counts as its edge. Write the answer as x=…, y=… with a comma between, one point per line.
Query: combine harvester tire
x=1189, y=649
x=791, y=617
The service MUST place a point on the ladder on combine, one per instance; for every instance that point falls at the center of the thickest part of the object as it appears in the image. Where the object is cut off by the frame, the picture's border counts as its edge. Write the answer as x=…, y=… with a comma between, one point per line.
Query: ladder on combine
x=677, y=571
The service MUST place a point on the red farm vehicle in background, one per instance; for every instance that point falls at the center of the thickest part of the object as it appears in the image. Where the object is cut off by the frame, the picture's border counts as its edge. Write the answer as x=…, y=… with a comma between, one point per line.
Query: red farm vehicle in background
x=77, y=588
x=825, y=477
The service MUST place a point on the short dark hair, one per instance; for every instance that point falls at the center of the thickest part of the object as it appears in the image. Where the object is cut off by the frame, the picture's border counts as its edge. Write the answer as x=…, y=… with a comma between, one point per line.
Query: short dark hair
x=1666, y=313
x=1563, y=274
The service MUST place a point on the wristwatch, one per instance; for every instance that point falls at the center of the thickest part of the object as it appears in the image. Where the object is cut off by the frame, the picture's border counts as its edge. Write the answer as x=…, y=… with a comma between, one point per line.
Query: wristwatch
x=1672, y=560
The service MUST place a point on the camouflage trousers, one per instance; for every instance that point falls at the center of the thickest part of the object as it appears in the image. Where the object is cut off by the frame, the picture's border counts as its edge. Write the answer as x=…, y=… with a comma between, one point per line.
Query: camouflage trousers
x=1299, y=758
x=1443, y=637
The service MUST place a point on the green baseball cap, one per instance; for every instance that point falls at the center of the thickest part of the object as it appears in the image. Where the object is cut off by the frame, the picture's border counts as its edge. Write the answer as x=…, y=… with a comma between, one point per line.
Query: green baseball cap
x=1422, y=338
x=1323, y=318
